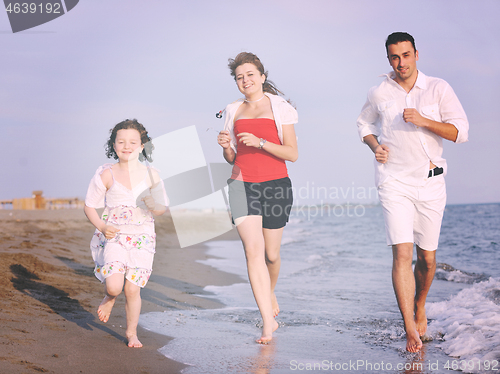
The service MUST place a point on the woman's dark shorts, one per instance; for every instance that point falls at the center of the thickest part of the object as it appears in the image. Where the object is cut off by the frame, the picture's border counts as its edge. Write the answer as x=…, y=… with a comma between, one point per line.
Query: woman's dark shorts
x=271, y=199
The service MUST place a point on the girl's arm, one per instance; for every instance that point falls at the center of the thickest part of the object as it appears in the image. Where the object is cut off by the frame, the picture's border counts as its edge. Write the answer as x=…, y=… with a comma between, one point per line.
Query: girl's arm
x=108, y=231
x=95, y=192
x=287, y=151
x=157, y=201
x=154, y=207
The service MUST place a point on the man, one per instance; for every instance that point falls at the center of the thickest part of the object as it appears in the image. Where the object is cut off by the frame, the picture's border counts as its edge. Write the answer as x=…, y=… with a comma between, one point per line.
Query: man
x=403, y=122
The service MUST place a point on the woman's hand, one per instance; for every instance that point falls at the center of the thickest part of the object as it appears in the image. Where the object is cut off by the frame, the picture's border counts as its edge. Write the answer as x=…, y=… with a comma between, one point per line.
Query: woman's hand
x=224, y=139
x=109, y=231
x=250, y=140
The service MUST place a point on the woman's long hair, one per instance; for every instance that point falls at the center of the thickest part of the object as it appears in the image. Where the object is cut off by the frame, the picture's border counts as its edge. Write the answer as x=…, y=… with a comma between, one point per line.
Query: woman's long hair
x=250, y=58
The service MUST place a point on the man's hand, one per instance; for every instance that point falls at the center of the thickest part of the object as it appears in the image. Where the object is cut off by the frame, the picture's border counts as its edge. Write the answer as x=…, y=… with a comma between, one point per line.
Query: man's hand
x=412, y=115
x=444, y=130
x=382, y=153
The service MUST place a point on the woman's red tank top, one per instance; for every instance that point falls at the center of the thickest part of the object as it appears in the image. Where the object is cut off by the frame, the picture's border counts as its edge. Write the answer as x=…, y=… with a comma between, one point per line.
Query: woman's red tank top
x=253, y=164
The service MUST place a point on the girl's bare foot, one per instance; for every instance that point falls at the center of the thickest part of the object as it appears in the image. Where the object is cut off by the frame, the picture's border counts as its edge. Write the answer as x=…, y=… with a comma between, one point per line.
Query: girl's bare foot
x=274, y=304
x=133, y=341
x=413, y=342
x=105, y=308
x=266, y=338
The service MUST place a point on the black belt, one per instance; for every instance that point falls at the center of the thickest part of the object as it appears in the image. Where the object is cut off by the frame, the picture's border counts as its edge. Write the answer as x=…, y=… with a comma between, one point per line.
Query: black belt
x=435, y=171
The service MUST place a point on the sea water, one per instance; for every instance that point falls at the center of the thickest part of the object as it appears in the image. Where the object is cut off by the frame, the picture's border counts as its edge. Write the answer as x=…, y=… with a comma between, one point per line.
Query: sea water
x=338, y=309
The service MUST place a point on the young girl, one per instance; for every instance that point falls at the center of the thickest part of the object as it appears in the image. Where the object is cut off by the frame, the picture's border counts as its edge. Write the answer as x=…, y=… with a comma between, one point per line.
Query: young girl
x=258, y=138
x=123, y=244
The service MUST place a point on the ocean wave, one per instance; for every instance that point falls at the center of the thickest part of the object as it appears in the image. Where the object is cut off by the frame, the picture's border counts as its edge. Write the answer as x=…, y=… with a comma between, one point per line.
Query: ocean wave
x=313, y=258
x=449, y=273
x=469, y=323
x=295, y=221
x=288, y=241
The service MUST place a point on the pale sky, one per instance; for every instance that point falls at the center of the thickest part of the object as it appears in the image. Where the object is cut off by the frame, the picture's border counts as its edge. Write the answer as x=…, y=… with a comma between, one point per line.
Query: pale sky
x=65, y=84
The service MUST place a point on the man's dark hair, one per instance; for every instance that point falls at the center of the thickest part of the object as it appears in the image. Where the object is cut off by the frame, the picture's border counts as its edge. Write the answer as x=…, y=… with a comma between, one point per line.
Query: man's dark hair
x=398, y=37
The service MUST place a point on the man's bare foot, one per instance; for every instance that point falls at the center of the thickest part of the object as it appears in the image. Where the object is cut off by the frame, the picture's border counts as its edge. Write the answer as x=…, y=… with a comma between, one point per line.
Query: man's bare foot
x=133, y=341
x=105, y=308
x=266, y=338
x=413, y=342
x=274, y=304
x=420, y=321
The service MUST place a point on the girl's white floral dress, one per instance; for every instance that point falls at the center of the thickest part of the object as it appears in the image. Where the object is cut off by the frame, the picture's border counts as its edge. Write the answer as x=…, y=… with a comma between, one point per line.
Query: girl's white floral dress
x=132, y=250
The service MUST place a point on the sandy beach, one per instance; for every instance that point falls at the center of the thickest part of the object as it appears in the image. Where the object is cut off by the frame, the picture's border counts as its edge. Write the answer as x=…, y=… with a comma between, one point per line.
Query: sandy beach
x=49, y=295
x=335, y=293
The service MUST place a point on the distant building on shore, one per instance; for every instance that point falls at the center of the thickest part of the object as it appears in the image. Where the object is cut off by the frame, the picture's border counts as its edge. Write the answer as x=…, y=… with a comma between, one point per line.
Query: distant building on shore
x=37, y=201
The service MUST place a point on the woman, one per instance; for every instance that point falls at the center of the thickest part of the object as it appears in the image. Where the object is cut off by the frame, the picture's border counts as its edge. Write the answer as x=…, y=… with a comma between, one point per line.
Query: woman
x=258, y=138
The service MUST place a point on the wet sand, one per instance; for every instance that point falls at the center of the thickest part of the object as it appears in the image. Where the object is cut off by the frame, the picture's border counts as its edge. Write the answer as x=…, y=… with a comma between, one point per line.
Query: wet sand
x=49, y=295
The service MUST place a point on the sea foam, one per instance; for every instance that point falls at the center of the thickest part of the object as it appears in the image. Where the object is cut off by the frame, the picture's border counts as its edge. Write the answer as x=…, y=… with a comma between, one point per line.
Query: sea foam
x=469, y=324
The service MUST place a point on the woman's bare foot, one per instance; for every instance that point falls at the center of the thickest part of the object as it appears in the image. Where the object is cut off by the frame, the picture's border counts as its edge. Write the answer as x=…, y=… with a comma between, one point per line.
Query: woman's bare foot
x=266, y=338
x=105, y=308
x=274, y=304
x=133, y=341
x=420, y=321
x=413, y=342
